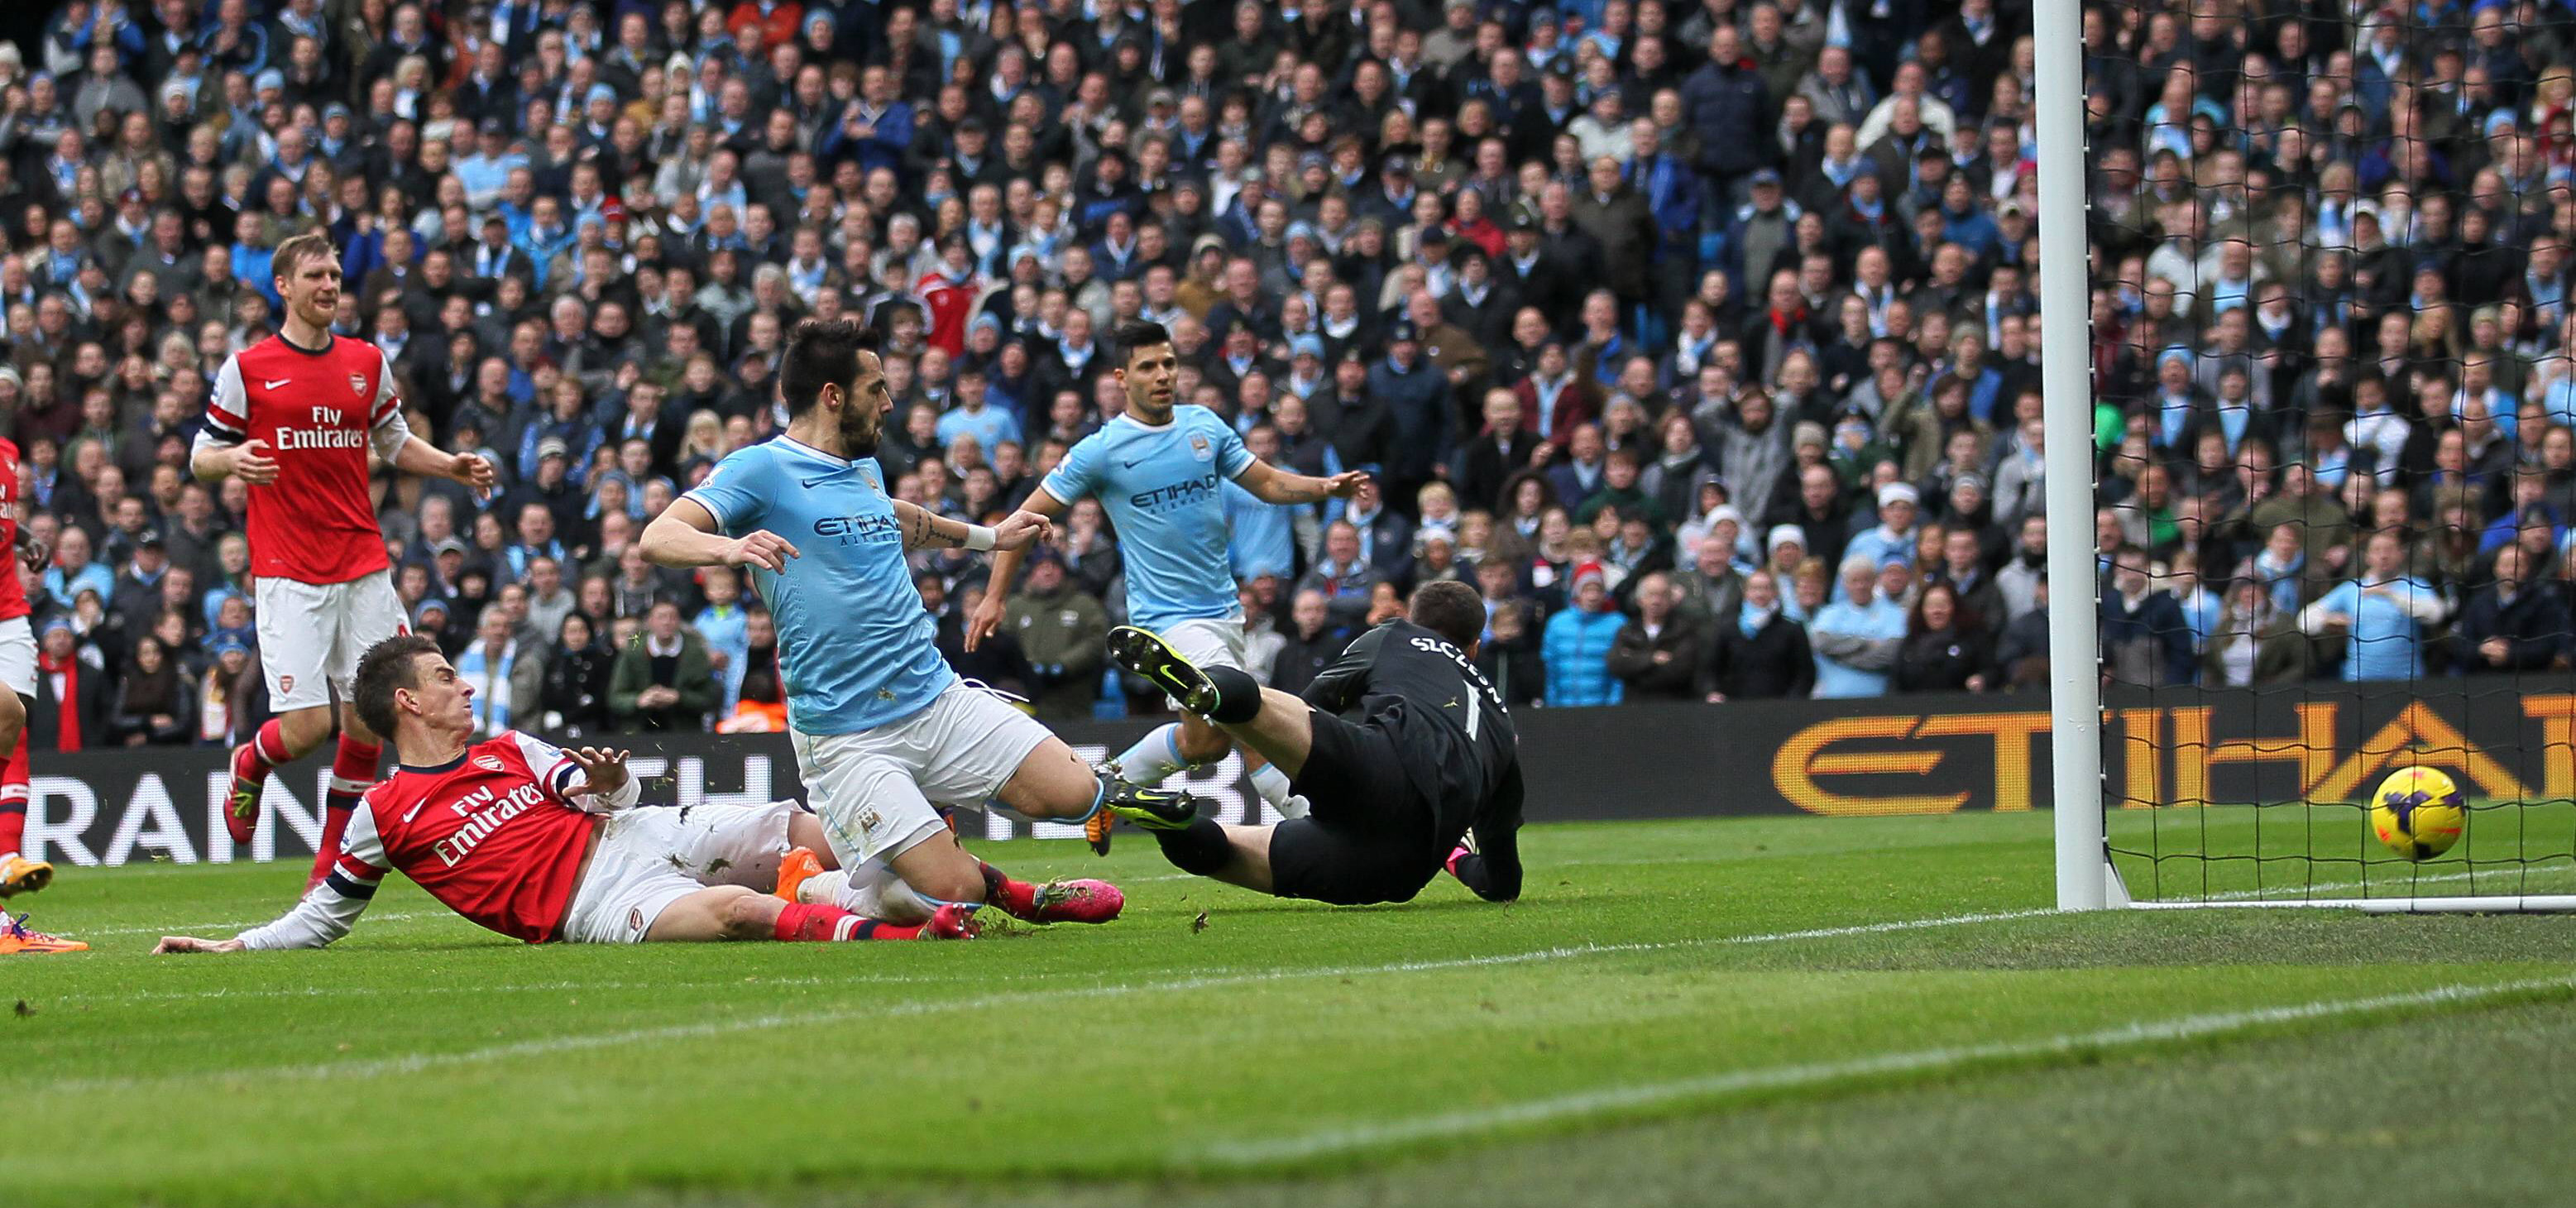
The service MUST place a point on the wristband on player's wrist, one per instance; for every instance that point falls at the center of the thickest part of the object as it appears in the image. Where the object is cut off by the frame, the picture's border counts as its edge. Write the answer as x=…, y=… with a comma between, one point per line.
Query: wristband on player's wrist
x=981, y=537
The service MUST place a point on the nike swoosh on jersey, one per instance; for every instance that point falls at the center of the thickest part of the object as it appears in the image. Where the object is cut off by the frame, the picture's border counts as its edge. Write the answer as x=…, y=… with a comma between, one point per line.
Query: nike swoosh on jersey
x=268, y=385
x=414, y=813
x=808, y=483
x=1131, y=464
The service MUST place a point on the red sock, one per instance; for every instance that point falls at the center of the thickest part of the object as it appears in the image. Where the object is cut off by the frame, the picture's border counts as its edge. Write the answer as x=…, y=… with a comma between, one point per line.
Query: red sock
x=1016, y=898
x=266, y=750
x=803, y=923
x=353, y=770
x=13, y=798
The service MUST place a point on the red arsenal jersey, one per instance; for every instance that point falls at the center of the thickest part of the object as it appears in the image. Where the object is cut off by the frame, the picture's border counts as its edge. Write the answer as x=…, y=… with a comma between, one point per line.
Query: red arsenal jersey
x=317, y=413
x=13, y=592
x=490, y=835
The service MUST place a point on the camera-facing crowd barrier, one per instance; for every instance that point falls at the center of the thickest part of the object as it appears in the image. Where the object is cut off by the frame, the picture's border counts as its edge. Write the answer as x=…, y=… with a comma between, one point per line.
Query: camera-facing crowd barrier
x=1891, y=755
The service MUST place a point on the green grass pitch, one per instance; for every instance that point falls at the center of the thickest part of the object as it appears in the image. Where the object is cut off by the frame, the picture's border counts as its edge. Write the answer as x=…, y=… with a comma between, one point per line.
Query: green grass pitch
x=1790, y=1011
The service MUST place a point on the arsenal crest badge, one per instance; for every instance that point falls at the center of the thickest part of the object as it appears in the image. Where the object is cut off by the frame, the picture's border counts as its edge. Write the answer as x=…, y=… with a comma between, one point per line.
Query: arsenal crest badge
x=358, y=385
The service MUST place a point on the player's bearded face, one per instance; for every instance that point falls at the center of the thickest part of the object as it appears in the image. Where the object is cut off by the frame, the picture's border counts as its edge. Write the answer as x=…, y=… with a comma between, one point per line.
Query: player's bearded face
x=863, y=414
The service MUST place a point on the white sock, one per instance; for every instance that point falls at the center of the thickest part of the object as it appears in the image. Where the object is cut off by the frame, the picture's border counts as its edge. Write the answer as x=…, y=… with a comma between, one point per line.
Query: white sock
x=1272, y=784
x=894, y=901
x=825, y=889
x=1154, y=757
x=873, y=892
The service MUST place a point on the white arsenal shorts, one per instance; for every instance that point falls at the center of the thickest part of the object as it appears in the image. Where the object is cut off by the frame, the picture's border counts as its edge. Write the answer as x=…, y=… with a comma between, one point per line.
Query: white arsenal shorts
x=17, y=657
x=873, y=790
x=650, y=857
x=311, y=635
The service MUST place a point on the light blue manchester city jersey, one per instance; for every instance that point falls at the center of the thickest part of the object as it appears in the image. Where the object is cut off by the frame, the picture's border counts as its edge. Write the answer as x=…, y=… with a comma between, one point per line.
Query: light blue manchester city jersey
x=1160, y=486
x=855, y=645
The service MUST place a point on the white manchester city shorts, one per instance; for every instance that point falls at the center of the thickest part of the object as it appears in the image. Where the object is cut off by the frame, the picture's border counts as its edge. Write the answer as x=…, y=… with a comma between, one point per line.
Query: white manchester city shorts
x=1209, y=643
x=874, y=789
x=17, y=658
x=650, y=857
x=311, y=635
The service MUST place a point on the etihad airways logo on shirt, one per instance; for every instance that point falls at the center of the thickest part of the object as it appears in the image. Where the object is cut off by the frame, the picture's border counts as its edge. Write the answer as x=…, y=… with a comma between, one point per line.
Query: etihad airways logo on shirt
x=330, y=430
x=859, y=530
x=1184, y=493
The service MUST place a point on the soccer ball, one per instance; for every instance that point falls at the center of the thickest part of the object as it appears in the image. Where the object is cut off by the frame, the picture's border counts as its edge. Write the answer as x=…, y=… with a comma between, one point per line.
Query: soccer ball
x=2418, y=812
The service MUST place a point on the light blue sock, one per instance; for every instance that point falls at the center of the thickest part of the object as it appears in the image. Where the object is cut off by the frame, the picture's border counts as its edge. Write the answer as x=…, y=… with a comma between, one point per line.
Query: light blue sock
x=1271, y=784
x=1154, y=757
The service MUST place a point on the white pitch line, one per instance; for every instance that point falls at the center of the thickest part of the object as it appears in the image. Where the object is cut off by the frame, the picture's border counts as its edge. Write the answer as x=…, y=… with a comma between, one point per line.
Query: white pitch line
x=415, y=1062
x=2390, y=882
x=390, y=916
x=1377, y=1134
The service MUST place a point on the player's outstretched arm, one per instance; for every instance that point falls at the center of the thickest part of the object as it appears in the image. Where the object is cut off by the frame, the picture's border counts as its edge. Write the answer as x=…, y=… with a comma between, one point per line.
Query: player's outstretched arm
x=924, y=529
x=685, y=536
x=417, y=456
x=1040, y=507
x=322, y=916
x=1270, y=484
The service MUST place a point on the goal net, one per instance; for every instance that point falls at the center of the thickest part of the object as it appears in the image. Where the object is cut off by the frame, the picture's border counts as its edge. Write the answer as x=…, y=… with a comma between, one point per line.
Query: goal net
x=2326, y=331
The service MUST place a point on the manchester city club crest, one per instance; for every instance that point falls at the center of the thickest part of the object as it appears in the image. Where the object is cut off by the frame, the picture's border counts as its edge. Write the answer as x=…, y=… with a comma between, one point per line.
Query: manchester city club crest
x=1199, y=448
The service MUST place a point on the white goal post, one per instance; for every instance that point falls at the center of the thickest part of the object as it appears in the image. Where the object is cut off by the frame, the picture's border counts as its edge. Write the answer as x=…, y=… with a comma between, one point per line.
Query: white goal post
x=2086, y=875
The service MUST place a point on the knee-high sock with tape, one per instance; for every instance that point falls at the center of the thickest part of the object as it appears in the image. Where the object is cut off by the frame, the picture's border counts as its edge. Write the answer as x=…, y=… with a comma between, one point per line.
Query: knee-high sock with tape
x=353, y=772
x=1200, y=848
x=1272, y=784
x=1238, y=695
x=1154, y=758
x=13, y=799
x=801, y=923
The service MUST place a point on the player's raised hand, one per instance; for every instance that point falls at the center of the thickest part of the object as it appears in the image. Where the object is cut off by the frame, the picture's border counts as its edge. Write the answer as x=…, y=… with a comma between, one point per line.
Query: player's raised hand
x=760, y=548
x=1346, y=484
x=474, y=471
x=33, y=551
x=603, y=771
x=1021, y=530
x=187, y=943
x=252, y=464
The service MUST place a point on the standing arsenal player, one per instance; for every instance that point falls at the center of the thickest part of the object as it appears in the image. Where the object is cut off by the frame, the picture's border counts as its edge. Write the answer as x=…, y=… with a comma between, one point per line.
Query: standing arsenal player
x=294, y=416
x=17, y=674
x=543, y=844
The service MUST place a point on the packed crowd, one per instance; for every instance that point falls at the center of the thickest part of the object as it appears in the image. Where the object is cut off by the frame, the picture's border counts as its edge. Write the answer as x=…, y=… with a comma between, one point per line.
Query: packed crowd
x=1699, y=335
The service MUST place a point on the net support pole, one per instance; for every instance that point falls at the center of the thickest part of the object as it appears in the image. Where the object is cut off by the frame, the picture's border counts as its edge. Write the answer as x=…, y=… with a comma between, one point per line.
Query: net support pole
x=2074, y=659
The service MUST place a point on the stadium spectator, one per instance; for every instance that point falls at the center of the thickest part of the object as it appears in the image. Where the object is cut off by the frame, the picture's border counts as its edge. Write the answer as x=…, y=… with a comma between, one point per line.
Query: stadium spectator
x=1659, y=654
x=663, y=680
x=1946, y=647
x=1578, y=641
x=1857, y=635
x=2381, y=615
x=1060, y=631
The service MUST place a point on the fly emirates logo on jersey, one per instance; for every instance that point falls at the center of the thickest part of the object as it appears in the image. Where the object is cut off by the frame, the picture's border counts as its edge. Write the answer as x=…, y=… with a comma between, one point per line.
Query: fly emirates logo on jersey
x=484, y=812
x=330, y=430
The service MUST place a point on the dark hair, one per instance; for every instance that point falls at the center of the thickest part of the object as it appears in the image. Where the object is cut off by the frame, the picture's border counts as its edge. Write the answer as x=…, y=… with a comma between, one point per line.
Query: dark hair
x=1449, y=608
x=821, y=353
x=388, y=667
x=1138, y=334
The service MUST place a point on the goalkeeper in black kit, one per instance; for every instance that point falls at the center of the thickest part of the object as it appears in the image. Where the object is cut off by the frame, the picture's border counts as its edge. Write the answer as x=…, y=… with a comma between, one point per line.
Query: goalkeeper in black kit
x=1404, y=750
